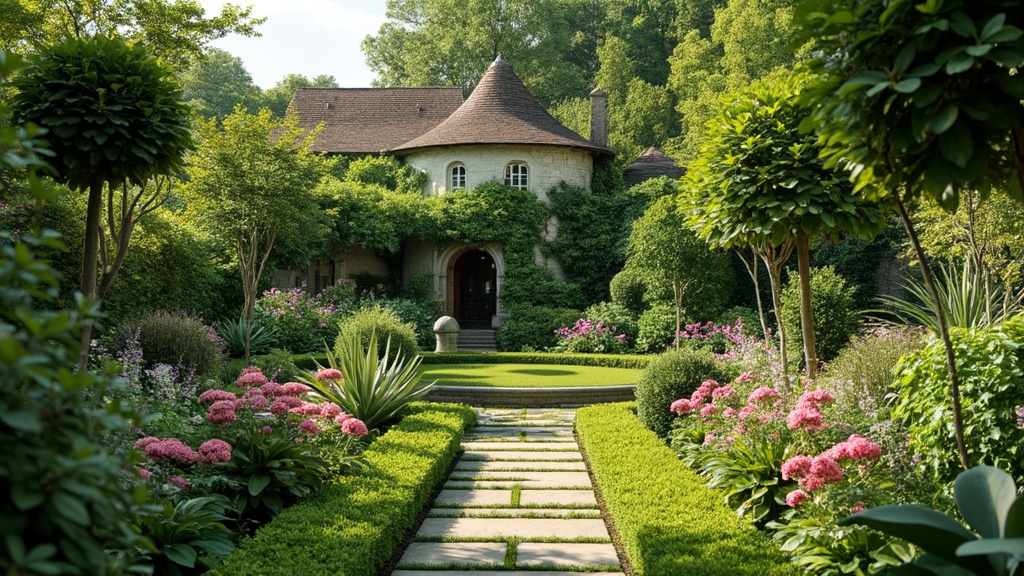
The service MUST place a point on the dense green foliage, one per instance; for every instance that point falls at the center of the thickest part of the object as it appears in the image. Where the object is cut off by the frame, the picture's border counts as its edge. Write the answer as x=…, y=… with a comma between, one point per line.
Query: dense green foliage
x=668, y=521
x=380, y=325
x=991, y=366
x=359, y=519
x=533, y=328
x=673, y=375
x=835, y=318
x=656, y=328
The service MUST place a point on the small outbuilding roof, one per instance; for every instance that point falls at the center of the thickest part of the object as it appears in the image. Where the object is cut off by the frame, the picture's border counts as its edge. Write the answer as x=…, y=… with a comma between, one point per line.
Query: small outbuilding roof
x=651, y=164
x=500, y=111
x=372, y=120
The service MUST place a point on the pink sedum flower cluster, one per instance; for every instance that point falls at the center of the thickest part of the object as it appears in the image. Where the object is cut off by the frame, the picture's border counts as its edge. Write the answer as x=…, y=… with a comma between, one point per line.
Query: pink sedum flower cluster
x=309, y=427
x=814, y=473
x=251, y=376
x=354, y=427
x=213, y=451
x=796, y=498
x=169, y=449
x=328, y=374
x=221, y=412
x=807, y=414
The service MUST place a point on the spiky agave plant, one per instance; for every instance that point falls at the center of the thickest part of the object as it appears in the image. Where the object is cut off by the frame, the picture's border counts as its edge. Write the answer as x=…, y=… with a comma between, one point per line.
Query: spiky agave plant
x=372, y=388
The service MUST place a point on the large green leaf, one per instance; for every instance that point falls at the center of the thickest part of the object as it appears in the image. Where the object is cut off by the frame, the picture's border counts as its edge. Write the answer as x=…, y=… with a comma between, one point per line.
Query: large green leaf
x=984, y=495
x=1012, y=546
x=932, y=531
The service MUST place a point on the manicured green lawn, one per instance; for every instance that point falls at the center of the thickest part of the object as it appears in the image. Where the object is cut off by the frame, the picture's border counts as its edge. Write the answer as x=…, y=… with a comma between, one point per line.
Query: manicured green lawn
x=527, y=375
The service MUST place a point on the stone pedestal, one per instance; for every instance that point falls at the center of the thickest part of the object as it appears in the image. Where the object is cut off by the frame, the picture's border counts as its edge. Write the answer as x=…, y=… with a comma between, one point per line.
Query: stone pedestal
x=447, y=330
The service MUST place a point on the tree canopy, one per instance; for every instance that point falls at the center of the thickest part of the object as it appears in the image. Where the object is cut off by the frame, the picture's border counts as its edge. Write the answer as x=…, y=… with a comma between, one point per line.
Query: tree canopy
x=176, y=31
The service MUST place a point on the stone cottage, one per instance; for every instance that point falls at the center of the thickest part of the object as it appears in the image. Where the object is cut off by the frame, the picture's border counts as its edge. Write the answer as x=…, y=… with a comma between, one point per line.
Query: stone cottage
x=500, y=133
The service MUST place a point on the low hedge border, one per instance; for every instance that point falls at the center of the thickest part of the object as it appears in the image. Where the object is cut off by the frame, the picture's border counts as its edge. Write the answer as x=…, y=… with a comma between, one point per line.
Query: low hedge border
x=668, y=521
x=353, y=526
x=306, y=361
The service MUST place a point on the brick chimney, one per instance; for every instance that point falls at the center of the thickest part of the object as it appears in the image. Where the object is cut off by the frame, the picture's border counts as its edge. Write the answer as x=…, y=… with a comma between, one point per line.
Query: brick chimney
x=599, y=117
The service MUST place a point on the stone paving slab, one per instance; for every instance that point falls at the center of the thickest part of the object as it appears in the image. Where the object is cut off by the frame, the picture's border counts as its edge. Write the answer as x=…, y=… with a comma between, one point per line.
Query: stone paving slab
x=502, y=573
x=513, y=527
x=509, y=484
x=513, y=455
x=456, y=553
x=514, y=512
x=516, y=435
x=527, y=480
x=557, y=498
x=520, y=446
x=474, y=497
x=490, y=465
x=565, y=554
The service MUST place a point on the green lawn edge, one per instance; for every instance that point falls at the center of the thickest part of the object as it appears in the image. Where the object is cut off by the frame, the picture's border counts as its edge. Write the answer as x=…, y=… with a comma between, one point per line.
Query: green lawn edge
x=308, y=361
x=353, y=526
x=669, y=522
x=492, y=375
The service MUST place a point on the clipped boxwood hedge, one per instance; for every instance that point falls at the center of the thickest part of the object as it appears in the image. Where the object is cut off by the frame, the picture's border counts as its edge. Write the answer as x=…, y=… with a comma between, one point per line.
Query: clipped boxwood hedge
x=352, y=526
x=670, y=523
x=606, y=360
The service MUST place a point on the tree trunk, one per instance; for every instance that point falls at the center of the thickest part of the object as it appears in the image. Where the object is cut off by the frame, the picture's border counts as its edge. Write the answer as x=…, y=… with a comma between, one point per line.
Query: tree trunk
x=752, y=271
x=677, y=292
x=1018, y=146
x=90, y=255
x=803, y=260
x=774, y=274
x=954, y=377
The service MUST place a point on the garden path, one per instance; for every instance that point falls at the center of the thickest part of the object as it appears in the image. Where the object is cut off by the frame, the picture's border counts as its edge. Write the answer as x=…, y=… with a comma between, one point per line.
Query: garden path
x=519, y=498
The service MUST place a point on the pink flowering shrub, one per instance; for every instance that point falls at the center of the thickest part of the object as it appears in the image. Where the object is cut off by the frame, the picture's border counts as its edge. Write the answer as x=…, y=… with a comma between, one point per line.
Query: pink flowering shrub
x=720, y=339
x=589, y=337
x=302, y=321
x=276, y=431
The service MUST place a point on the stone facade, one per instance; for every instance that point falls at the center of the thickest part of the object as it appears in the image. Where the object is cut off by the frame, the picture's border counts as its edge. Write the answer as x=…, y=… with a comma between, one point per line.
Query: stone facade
x=547, y=166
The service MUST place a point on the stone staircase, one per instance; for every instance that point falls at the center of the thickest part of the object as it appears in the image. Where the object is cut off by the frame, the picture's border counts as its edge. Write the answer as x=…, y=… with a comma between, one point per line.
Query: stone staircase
x=477, y=340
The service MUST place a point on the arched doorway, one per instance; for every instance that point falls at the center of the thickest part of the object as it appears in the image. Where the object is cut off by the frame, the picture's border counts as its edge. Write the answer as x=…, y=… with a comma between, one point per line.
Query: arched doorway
x=475, y=288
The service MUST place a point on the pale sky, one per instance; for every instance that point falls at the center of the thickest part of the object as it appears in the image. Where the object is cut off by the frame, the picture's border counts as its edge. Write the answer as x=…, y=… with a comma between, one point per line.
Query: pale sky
x=308, y=37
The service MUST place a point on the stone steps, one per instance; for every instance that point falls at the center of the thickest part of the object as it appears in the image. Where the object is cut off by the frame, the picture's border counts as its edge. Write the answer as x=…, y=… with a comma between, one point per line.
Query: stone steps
x=519, y=503
x=482, y=340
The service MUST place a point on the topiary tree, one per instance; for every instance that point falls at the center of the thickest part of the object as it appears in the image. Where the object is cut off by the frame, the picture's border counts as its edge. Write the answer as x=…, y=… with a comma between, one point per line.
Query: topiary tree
x=116, y=118
x=673, y=375
x=65, y=507
x=760, y=182
x=921, y=100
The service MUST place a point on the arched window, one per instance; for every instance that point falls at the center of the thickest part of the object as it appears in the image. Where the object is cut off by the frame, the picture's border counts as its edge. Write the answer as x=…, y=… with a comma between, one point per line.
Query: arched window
x=457, y=176
x=516, y=175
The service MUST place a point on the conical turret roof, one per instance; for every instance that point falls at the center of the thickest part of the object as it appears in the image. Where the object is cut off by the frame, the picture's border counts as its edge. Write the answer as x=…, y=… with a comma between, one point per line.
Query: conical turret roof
x=500, y=111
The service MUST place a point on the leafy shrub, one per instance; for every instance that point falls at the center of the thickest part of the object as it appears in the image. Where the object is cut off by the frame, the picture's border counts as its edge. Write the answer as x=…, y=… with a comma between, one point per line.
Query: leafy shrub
x=656, y=328
x=688, y=531
x=363, y=324
x=185, y=532
x=835, y=320
x=861, y=377
x=261, y=339
x=627, y=290
x=278, y=366
x=371, y=386
x=420, y=314
x=717, y=339
x=990, y=371
x=671, y=376
x=303, y=322
x=533, y=328
x=174, y=338
x=622, y=318
x=361, y=519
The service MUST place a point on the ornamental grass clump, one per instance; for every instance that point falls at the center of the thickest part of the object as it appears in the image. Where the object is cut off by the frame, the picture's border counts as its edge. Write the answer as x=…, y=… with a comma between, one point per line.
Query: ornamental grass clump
x=371, y=387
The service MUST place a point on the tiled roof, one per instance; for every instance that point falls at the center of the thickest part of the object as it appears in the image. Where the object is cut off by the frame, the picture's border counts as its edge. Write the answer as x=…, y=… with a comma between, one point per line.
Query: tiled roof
x=651, y=164
x=500, y=111
x=372, y=120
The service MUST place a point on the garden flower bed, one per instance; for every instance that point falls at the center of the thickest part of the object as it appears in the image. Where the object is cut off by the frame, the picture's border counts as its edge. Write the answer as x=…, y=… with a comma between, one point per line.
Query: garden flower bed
x=668, y=522
x=352, y=526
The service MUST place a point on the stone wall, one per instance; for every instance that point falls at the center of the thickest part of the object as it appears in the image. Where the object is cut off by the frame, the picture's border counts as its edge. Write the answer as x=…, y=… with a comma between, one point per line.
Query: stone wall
x=547, y=166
